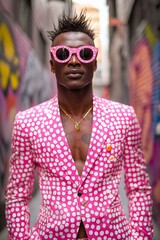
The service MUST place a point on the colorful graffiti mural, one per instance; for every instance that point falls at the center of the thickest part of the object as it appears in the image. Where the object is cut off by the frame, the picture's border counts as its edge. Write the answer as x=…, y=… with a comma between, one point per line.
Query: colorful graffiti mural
x=9, y=86
x=24, y=82
x=145, y=97
x=141, y=91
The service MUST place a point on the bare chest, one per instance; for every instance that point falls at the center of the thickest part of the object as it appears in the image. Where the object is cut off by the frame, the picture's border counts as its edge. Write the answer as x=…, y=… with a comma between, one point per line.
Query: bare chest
x=78, y=141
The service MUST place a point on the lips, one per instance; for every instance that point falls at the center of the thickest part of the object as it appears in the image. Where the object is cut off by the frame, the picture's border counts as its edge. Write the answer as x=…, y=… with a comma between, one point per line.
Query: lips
x=74, y=74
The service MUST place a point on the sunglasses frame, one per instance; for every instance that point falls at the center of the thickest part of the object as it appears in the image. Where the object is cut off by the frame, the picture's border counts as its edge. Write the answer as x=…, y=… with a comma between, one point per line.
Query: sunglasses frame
x=76, y=51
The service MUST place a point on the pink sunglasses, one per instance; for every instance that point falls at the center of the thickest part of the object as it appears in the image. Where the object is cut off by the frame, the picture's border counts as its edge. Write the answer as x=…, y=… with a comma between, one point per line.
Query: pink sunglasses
x=85, y=54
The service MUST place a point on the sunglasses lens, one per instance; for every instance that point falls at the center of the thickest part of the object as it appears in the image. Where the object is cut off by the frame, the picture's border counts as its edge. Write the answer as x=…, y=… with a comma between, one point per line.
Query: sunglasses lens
x=86, y=53
x=62, y=53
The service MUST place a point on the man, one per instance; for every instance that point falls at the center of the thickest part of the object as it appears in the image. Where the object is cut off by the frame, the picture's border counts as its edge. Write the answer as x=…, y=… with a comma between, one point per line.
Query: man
x=79, y=144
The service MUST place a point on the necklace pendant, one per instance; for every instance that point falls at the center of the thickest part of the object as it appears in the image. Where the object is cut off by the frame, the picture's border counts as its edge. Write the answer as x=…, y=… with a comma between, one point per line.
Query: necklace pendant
x=77, y=126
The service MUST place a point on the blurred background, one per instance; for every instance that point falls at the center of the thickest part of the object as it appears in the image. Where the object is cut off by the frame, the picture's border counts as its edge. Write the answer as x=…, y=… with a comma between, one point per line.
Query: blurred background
x=128, y=37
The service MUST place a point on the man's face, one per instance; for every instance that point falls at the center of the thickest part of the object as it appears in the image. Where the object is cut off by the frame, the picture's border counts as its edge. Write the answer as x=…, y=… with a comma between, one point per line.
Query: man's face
x=73, y=74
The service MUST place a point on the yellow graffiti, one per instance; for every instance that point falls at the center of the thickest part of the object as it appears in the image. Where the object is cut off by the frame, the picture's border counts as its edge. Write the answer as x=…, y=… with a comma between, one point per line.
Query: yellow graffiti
x=150, y=35
x=9, y=61
x=4, y=70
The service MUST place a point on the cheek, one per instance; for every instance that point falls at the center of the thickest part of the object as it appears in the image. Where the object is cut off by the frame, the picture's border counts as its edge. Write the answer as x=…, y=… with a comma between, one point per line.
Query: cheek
x=90, y=69
x=59, y=74
x=58, y=68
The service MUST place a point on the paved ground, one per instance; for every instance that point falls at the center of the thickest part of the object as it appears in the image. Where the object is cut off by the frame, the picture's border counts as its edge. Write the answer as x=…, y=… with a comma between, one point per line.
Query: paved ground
x=35, y=203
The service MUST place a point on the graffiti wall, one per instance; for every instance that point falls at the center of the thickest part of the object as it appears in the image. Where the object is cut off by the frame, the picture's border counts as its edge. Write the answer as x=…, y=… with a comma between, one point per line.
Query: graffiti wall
x=145, y=97
x=24, y=82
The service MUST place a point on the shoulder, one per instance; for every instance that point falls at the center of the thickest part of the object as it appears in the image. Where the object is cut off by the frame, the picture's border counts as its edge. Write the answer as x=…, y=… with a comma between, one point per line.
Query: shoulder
x=114, y=106
x=119, y=113
x=116, y=111
x=36, y=112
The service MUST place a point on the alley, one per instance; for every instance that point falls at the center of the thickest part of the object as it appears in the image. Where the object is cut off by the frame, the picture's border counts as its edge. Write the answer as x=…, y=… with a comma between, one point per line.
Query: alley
x=127, y=71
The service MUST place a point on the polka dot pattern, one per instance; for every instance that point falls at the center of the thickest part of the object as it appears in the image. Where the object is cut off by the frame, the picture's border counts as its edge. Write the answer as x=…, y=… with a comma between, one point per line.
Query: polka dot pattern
x=39, y=142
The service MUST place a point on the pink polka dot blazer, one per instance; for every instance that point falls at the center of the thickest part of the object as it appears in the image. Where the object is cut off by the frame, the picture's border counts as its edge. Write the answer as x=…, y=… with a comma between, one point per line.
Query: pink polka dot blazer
x=39, y=142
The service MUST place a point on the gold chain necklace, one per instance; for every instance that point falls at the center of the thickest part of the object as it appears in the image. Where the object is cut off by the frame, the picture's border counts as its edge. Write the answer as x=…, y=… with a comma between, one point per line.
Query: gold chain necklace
x=76, y=124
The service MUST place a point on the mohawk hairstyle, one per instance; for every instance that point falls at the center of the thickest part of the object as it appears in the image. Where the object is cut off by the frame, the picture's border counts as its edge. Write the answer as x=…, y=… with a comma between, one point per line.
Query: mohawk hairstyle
x=77, y=23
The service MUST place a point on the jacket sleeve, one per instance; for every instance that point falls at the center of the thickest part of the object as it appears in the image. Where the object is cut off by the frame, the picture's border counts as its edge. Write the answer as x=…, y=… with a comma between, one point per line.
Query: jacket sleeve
x=137, y=184
x=20, y=183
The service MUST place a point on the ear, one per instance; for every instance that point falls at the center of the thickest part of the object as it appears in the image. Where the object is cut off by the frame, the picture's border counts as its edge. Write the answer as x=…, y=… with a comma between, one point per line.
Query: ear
x=95, y=66
x=52, y=66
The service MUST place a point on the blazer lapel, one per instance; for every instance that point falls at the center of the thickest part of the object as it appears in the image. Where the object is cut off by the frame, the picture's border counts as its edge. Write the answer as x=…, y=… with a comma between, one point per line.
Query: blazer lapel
x=100, y=126
x=100, y=129
x=62, y=152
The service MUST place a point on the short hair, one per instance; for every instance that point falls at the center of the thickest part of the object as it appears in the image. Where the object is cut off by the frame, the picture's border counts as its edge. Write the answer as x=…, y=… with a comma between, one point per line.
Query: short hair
x=77, y=23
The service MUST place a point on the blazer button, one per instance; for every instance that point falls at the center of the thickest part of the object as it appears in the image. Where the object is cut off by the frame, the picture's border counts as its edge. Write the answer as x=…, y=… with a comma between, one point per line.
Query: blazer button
x=79, y=194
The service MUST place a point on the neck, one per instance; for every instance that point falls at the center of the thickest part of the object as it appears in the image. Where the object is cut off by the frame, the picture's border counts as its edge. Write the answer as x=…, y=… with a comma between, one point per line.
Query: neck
x=74, y=102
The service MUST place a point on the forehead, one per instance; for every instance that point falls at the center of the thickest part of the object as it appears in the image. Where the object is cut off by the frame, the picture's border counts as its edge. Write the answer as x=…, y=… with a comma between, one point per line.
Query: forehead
x=73, y=39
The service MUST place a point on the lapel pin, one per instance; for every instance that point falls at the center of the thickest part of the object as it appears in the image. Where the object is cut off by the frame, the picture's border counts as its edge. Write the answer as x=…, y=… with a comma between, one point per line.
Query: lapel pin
x=109, y=147
x=111, y=158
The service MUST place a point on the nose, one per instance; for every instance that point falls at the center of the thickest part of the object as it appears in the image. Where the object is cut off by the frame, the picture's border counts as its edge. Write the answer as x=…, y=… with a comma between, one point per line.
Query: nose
x=74, y=60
